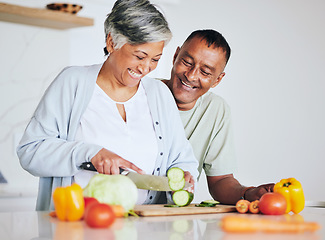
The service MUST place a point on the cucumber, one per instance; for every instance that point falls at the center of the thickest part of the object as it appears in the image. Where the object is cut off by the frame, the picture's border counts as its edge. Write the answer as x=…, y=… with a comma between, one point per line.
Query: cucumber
x=175, y=186
x=208, y=203
x=176, y=183
x=176, y=179
x=182, y=198
x=211, y=201
x=175, y=174
x=171, y=205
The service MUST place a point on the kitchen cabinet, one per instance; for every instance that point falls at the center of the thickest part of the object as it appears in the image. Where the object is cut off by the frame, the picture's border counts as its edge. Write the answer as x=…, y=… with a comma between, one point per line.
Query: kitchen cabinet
x=42, y=17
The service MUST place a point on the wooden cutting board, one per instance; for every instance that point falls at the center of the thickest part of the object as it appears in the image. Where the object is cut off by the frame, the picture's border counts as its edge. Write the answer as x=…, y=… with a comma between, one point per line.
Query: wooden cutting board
x=160, y=210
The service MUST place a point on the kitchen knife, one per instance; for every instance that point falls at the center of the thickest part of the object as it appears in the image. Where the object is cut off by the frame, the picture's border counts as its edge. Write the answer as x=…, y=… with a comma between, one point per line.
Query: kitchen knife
x=142, y=181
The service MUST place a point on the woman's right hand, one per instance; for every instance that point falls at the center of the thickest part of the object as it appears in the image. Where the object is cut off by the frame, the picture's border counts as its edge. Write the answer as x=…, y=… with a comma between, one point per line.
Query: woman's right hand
x=107, y=162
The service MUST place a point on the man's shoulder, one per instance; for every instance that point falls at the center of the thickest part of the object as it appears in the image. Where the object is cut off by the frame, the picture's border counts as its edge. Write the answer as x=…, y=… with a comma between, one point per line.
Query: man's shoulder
x=150, y=82
x=212, y=99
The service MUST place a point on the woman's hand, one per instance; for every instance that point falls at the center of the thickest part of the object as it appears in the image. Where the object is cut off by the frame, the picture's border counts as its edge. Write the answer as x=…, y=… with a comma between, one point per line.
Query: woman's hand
x=107, y=162
x=189, y=178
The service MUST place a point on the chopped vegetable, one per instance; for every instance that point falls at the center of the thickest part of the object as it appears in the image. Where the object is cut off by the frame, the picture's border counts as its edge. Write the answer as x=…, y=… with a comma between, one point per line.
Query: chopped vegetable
x=175, y=186
x=207, y=203
x=171, y=205
x=182, y=198
x=69, y=203
x=247, y=223
x=113, y=189
x=176, y=179
x=242, y=206
x=176, y=183
x=253, y=207
x=292, y=190
x=175, y=174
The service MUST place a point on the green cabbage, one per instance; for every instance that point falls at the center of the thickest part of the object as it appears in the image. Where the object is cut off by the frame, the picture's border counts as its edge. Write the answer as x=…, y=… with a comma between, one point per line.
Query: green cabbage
x=112, y=189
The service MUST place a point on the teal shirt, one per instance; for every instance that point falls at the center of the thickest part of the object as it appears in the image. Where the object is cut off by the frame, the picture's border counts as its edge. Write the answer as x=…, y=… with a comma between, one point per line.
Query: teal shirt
x=208, y=127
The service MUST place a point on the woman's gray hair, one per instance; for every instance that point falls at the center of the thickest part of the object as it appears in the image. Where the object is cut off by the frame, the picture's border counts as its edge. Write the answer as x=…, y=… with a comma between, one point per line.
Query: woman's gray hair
x=136, y=22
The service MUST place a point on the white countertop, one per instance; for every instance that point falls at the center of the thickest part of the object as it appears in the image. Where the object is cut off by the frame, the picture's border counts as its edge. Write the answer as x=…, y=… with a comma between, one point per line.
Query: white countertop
x=38, y=225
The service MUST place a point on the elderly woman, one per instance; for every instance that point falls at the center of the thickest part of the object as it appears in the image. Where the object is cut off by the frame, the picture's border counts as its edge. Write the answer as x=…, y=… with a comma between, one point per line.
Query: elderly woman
x=110, y=114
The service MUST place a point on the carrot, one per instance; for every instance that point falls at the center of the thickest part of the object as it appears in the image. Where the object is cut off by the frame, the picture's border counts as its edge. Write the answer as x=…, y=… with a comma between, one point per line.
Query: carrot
x=118, y=210
x=253, y=206
x=233, y=223
x=52, y=214
x=242, y=206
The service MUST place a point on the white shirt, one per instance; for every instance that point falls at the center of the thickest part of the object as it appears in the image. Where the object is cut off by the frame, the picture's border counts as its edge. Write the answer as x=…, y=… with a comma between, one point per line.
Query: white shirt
x=133, y=139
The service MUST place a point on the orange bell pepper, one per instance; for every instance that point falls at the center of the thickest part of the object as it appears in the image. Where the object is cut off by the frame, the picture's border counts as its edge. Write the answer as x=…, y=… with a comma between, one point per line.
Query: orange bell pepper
x=69, y=203
x=291, y=189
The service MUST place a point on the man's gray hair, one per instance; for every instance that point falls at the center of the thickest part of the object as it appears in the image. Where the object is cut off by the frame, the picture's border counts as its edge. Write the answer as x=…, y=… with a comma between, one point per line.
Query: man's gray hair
x=136, y=22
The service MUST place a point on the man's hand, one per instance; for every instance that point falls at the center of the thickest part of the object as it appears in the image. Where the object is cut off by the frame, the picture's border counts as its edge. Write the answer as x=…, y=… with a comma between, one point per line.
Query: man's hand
x=189, y=178
x=107, y=162
x=257, y=192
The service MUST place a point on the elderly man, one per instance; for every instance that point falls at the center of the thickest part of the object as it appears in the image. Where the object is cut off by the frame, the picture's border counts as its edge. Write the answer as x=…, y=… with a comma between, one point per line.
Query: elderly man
x=199, y=66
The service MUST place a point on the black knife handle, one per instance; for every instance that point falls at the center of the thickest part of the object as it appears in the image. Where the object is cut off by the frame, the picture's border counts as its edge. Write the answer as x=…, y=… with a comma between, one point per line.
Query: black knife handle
x=90, y=167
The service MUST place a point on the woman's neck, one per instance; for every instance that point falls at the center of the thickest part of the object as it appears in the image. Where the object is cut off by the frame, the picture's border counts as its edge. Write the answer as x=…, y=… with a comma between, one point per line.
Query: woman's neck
x=112, y=87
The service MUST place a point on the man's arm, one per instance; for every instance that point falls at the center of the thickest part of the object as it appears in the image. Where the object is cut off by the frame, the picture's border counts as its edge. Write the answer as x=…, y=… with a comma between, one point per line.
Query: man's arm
x=227, y=190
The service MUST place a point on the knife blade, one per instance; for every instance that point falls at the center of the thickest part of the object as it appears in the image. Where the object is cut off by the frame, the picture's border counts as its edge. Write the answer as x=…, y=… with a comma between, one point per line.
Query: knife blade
x=148, y=182
x=142, y=181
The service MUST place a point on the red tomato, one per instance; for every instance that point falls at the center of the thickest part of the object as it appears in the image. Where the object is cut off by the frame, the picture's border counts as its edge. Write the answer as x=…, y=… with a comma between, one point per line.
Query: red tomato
x=89, y=200
x=272, y=203
x=99, y=215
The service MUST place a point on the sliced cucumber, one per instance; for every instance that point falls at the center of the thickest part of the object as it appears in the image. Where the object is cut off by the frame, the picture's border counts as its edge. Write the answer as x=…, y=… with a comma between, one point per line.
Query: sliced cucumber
x=171, y=205
x=175, y=174
x=211, y=201
x=176, y=179
x=208, y=203
x=182, y=198
x=175, y=186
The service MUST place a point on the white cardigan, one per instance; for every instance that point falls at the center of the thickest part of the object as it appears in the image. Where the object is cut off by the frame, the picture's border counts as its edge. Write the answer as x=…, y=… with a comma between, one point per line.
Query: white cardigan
x=48, y=150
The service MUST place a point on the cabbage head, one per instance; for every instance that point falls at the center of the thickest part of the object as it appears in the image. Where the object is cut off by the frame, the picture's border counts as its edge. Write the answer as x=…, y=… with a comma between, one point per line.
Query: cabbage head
x=112, y=189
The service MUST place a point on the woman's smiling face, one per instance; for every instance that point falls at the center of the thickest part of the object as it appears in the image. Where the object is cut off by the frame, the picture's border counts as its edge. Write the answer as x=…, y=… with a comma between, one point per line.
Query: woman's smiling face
x=130, y=63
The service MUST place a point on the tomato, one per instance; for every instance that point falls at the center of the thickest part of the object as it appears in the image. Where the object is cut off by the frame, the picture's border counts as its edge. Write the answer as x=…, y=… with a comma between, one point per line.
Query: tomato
x=99, y=215
x=272, y=203
x=89, y=200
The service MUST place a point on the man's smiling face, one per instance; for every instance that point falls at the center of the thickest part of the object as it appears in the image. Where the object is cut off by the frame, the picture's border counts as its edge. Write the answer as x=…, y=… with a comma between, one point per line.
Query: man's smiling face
x=196, y=69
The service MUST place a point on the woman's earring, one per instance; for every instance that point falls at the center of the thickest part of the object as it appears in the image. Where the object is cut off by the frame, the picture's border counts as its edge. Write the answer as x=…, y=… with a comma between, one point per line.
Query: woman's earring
x=107, y=53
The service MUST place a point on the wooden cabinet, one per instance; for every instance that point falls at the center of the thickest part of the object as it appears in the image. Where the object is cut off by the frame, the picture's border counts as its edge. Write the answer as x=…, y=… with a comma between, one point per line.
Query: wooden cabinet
x=42, y=17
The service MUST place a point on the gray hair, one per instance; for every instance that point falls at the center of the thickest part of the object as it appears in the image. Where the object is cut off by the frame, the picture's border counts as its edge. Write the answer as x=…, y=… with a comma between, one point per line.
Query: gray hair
x=136, y=22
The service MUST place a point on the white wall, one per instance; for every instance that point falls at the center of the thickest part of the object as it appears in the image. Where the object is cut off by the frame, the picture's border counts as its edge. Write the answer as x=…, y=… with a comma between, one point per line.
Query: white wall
x=274, y=84
x=30, y=59
x=274, y=80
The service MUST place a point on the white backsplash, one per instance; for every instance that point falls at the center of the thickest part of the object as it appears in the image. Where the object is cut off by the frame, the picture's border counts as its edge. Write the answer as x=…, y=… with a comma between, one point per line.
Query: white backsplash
x=31, y=57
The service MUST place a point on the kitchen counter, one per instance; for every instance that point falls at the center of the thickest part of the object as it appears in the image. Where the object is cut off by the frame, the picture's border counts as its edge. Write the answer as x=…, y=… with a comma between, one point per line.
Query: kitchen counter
x=39, y=225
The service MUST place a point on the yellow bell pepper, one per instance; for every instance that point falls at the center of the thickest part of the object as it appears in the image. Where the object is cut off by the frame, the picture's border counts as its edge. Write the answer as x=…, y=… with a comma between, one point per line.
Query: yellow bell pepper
x=69, y=203
x=291, y=189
